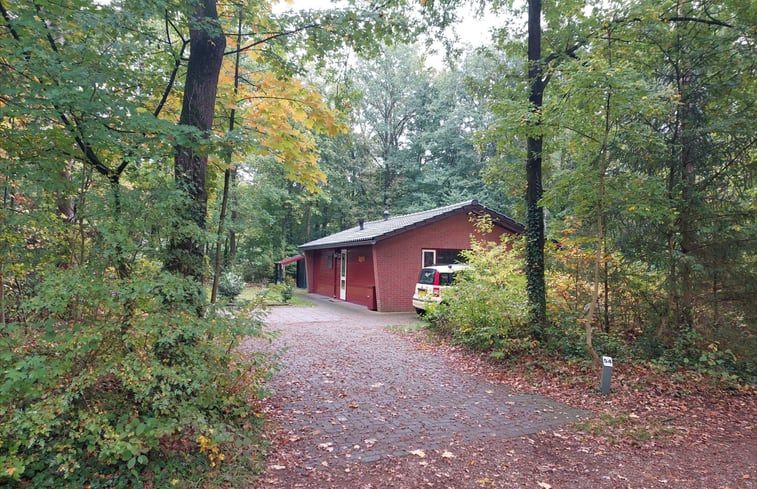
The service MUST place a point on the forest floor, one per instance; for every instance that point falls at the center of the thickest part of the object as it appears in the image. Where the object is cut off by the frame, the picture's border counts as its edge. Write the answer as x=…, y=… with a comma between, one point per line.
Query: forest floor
x=369, y=407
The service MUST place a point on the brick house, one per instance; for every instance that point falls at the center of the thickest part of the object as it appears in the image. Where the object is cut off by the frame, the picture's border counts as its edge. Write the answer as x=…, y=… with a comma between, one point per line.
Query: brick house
x=377, y=263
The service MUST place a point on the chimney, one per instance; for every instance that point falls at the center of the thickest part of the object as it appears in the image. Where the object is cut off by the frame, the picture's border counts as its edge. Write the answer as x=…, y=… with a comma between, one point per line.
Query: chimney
x=386, y=214
x=361, y=222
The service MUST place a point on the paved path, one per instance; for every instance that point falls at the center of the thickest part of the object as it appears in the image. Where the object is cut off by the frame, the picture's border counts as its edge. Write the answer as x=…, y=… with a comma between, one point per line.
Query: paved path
x=350, y=390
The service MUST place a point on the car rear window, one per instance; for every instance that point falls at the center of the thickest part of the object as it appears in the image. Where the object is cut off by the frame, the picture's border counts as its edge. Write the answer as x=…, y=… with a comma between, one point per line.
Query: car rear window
x=427, y=276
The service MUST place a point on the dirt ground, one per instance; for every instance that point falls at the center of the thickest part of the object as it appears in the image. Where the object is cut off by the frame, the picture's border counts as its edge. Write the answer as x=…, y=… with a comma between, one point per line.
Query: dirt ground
x=654, y=430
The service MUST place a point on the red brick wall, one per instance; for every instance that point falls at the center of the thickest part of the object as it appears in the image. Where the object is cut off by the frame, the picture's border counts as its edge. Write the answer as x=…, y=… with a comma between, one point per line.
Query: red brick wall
x=325, y=281
x=321, y=279
x=398, y=260
x=385, y=277
x=360, y=283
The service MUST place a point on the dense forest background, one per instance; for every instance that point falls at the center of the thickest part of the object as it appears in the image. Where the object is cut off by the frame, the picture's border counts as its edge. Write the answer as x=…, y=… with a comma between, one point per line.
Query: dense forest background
x=151, y=149
x=649, y=161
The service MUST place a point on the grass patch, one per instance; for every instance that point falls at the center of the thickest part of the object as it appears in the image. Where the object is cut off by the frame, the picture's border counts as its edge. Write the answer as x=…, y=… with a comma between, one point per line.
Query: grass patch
x=273, y=295
x=625, y=427
x=408, y=328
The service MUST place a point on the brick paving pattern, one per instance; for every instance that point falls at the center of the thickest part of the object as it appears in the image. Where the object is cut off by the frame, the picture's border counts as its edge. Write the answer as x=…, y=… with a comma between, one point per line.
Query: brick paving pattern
x=350, y=390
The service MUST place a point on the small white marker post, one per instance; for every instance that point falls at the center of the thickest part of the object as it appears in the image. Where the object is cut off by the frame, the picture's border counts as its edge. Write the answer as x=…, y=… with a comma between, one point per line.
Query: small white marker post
x=606, y=374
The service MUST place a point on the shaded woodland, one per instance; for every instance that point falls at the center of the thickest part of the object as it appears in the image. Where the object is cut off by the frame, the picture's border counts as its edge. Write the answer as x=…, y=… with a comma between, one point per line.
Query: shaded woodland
x=150, y=150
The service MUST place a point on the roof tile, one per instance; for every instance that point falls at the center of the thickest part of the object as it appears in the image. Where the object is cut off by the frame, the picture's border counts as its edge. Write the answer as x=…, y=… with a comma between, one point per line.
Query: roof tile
x=376, y=230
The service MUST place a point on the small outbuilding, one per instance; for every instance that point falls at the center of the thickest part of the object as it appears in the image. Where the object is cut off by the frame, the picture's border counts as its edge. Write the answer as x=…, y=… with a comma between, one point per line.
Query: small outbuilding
x=376, y=263
x=280, y=273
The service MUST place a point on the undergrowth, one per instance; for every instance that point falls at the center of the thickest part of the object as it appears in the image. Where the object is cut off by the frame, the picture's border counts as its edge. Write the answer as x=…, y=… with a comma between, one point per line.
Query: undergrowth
x=122, y=386
x=486, y=311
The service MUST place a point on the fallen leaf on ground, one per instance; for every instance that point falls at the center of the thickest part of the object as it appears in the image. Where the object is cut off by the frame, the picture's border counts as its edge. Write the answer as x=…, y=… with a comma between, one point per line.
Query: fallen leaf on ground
x=419, y=453
x=326, y=446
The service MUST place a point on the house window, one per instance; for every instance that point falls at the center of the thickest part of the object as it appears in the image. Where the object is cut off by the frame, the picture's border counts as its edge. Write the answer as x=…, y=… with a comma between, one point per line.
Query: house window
x=429, y=258
x=448, y=257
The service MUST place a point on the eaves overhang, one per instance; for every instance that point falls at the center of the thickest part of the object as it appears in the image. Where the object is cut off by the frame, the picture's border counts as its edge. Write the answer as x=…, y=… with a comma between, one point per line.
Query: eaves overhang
x=369, y=233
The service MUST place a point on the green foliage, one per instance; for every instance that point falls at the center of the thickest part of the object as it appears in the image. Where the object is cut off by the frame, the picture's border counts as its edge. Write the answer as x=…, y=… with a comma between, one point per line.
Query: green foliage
x=692, y=350
x=275, y=295
x=486, y=310
x=279, y=293
x=105, y=385
x=420, y=154
x=111, y=378
x=648, y=157
x=231, y=285
x=287, y=292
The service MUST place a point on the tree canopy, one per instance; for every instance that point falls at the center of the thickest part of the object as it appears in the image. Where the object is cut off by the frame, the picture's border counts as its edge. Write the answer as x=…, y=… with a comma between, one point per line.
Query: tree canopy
x=150, y=145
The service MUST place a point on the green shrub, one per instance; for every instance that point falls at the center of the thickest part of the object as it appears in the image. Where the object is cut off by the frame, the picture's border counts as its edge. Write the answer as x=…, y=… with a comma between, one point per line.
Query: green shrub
x=566, y=338
x=117, y=386
x=486, y=310
x=287, y=292
x=693, y=351
x=231, y=285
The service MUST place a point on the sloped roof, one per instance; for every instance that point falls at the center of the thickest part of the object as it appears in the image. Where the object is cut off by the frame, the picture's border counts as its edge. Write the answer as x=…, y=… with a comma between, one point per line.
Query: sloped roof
x=374, y=231
x=291, y=259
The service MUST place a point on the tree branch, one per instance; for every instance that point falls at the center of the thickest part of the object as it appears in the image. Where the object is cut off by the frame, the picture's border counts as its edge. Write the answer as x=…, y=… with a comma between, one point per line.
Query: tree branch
x=178, y=32
x=83, y=145
x=272, y=37
x=171, y=79
x=702, y=185
x=695, y=19
x=272, y=97
x=8, y=22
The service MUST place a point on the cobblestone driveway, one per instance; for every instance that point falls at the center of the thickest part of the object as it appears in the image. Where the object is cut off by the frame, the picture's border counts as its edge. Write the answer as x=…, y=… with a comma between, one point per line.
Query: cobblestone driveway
x=350, y=390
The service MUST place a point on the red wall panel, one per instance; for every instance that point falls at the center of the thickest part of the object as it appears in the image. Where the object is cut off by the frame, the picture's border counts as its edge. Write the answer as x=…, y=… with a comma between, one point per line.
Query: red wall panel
x=383, y=277
x=398, y=259
x=321, y=278
x=360, y=283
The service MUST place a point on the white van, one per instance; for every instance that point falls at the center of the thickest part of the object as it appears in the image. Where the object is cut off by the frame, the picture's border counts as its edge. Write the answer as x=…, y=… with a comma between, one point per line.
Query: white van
x=432, y=283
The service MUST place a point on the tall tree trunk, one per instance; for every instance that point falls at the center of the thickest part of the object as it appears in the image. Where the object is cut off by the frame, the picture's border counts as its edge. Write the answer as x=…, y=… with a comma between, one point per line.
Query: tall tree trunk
x=687, y=169
x=536, y=288
x=308, y=219
x=671, y=248
x=207, y=43
x=227, y=172
x=606, y=277
x=2, y=293
x=121, y=264
x=64, y=204
x=681, y=188
x=231, y=257
x=219, y=237
x=592, y=317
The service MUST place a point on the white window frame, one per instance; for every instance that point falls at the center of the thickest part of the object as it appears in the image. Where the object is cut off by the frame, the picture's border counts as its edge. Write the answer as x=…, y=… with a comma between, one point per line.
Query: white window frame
x=343, y=275
x=423, y=257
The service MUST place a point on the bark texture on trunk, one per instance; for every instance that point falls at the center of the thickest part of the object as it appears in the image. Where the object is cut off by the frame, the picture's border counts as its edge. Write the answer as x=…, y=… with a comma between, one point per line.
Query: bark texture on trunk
x=207, y=43
x=536, y=287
